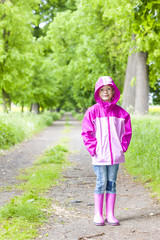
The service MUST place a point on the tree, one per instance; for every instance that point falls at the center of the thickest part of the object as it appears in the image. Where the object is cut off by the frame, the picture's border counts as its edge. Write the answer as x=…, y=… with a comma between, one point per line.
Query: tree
x=58, y=65
x=81, y=53
x=142, y=84
x=136, y=87
x=130, y=79
x=44, y=86
x=16, y=47
x=145, y=24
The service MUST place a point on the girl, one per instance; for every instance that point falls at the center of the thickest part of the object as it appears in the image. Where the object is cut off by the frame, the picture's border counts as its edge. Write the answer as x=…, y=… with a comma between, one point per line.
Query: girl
x=106, y=132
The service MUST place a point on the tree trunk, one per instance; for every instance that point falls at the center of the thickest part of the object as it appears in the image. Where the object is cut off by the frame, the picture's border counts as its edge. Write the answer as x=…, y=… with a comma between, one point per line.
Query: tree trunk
x=6, y=101
x=128, y=101
x=136, y=86
x=142, y=84
x=35, y=108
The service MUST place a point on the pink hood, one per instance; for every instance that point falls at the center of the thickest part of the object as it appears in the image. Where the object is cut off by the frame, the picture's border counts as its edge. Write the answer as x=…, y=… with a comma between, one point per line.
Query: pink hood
x=102, y=81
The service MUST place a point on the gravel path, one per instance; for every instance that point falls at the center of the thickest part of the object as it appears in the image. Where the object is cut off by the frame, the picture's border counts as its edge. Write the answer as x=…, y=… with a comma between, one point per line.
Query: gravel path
x=72, y=208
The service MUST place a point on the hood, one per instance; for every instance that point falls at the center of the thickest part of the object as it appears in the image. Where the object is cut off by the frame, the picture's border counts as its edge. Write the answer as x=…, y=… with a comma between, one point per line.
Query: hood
x=102, y=81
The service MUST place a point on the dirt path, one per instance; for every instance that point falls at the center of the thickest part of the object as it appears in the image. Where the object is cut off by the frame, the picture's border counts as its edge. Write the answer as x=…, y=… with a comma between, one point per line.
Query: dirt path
x=73, y=204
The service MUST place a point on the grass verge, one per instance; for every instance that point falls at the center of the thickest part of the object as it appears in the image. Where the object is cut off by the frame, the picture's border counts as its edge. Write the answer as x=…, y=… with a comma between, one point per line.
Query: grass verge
x=21, y=218
x=142, y=158
x=15, y=127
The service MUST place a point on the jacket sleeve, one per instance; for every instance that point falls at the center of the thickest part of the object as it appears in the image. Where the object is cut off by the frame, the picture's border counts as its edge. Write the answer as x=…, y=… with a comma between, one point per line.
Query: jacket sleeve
x=88, y=133
x=126, y=138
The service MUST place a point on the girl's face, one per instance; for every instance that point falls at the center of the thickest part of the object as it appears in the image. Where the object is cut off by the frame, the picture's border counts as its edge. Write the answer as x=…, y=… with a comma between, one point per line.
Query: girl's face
x=106, y=93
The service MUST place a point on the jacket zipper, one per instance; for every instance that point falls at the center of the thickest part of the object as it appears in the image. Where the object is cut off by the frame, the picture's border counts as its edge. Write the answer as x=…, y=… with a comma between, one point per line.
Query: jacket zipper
x=110, y=147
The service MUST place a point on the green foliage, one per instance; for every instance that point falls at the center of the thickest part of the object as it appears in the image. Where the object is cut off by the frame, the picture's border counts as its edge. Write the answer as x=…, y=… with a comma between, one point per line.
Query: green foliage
x=146, y=24
x=156, y=93
x=142, y=158
x=47, y=10
x=57, y=65
x=12, y=129
x=17, y=44
x=49, y=117
x=43, y=86
x=78, y=116
x=82, y=53
x=7, y=137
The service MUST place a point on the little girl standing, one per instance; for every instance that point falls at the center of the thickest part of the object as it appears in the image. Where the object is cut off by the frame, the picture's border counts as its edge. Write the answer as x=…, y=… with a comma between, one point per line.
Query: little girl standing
x=106, y=132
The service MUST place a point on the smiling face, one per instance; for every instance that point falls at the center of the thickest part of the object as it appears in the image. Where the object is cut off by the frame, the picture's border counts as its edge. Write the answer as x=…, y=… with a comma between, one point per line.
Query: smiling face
x=106, y=93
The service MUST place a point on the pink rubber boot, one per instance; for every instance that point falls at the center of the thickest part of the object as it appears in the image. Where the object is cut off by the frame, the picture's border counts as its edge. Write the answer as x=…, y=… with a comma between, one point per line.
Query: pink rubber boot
x=110, y=203
x=98, y=205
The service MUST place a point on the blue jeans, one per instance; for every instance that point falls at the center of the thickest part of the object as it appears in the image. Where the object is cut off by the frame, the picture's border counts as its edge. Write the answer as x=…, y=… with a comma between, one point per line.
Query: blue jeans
x=106, y=178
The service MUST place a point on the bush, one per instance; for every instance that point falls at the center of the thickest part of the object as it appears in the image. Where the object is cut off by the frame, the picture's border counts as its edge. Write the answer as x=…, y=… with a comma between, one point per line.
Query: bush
x=46, y=118
x=56, y=115
x=78, y=116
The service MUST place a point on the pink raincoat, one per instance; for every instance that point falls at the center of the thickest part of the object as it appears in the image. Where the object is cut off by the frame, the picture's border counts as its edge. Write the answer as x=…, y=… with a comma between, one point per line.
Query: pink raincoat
x=106, y=128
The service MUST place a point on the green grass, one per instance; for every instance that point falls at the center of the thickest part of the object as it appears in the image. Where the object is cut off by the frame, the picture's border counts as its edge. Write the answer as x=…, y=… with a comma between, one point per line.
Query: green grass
x=45, y=172
x=21, y=218
x=142, y=158
x=15, y=127
x=24, y=207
